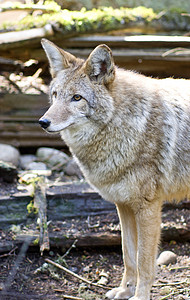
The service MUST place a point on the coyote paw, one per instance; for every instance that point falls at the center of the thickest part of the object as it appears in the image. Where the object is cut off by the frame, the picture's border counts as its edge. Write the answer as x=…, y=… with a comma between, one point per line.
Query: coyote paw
x=121, y=293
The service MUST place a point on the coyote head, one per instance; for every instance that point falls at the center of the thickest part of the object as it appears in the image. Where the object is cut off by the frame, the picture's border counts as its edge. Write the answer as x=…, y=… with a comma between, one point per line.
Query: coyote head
x=79, y=91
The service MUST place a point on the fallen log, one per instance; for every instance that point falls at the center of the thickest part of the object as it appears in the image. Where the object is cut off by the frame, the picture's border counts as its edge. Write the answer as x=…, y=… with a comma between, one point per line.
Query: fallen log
x=76, y=212
x=99, y=239
x=85, y=240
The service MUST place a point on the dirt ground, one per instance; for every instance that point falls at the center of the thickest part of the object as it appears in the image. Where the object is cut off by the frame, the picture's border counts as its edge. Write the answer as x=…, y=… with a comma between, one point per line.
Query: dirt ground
x=23, y=274
x=27, y=282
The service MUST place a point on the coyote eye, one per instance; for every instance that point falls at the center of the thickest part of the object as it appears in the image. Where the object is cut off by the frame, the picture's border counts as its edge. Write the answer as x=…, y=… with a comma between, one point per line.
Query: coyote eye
x=76, y=97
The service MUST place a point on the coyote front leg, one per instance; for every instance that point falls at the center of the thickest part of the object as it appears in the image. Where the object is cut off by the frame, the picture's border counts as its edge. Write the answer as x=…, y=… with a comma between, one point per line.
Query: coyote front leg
x=148, y=234
x=140, y=237
x=129, y=247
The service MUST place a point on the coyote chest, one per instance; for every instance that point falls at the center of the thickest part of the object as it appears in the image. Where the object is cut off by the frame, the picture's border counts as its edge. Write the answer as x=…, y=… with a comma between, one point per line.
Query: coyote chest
x=114, y=166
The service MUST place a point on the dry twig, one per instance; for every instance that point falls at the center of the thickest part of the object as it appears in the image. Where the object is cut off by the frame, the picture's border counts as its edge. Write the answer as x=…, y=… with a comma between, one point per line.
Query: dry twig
x=171, y=294
x=68, y=251
x=176, y=51
x=92, y=226
x=67, y=296
x=178, y=268
x=169, y=283
x=17, y=263
x=75, y=275
x=10, y=253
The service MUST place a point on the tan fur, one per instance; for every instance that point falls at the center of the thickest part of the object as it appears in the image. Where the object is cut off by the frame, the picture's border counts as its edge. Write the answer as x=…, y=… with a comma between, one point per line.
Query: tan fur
x=130, y=136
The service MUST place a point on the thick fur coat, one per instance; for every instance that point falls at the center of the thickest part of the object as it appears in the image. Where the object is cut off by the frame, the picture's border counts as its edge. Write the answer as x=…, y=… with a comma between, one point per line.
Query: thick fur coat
x=130, y=136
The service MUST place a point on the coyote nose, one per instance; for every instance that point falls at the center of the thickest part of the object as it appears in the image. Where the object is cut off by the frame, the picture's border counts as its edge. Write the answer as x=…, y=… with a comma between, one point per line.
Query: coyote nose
x=44, y=123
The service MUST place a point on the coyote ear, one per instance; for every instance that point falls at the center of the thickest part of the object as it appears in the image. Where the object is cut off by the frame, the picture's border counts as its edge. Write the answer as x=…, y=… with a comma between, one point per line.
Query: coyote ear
x=100, y=65
x=58, y=58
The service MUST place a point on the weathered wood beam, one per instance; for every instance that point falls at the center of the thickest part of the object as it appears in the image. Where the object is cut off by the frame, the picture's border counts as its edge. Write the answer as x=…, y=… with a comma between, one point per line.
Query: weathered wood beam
x=66, y=203
x=19, y=121
x=23, y=107
x=126, y=47
x=105, y=239
x=24, y=38
x=135, y=41
x=148, y=61
x=28, y=135
x=25, y=7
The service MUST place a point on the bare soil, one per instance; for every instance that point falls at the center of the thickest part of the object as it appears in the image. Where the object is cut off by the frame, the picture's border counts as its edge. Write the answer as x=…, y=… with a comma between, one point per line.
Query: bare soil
x=172, y=282
x=21, y=278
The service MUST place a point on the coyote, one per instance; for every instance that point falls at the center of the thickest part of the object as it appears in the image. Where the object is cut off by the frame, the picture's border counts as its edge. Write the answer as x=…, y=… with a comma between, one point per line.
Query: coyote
x=130, y=136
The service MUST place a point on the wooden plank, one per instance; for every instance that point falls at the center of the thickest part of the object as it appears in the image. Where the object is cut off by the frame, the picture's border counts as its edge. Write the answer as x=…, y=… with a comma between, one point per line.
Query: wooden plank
x=148, y=54
x=17, y=139
x=83, y=240
x=21, y=134
x=136, y=41
x=22, y=106
x=19, y=121
x=151, y=62
x=24, y=38
x=128, y=42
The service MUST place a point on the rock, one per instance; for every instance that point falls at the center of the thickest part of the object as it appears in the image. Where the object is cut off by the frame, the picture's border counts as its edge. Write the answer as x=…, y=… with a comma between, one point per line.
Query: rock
x=26, y=159
x=52, y=156
x=86, y=269
x=165, y=290
x=166, y=258
x=72, y=169
x=9, y=154
x=36, y=166
x=8, y=172
x=103, y=278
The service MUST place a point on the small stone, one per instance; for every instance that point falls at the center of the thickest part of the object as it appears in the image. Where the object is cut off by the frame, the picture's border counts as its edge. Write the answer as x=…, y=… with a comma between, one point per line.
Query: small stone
x=51, y=253
x=86, y=269
x=9, y=154
x=166, y=258
x=26, y=159
x=52, y=156
x=24, y=276
x=165, y=290
x=36, y=166
x=103, y=280
x=72, y=169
